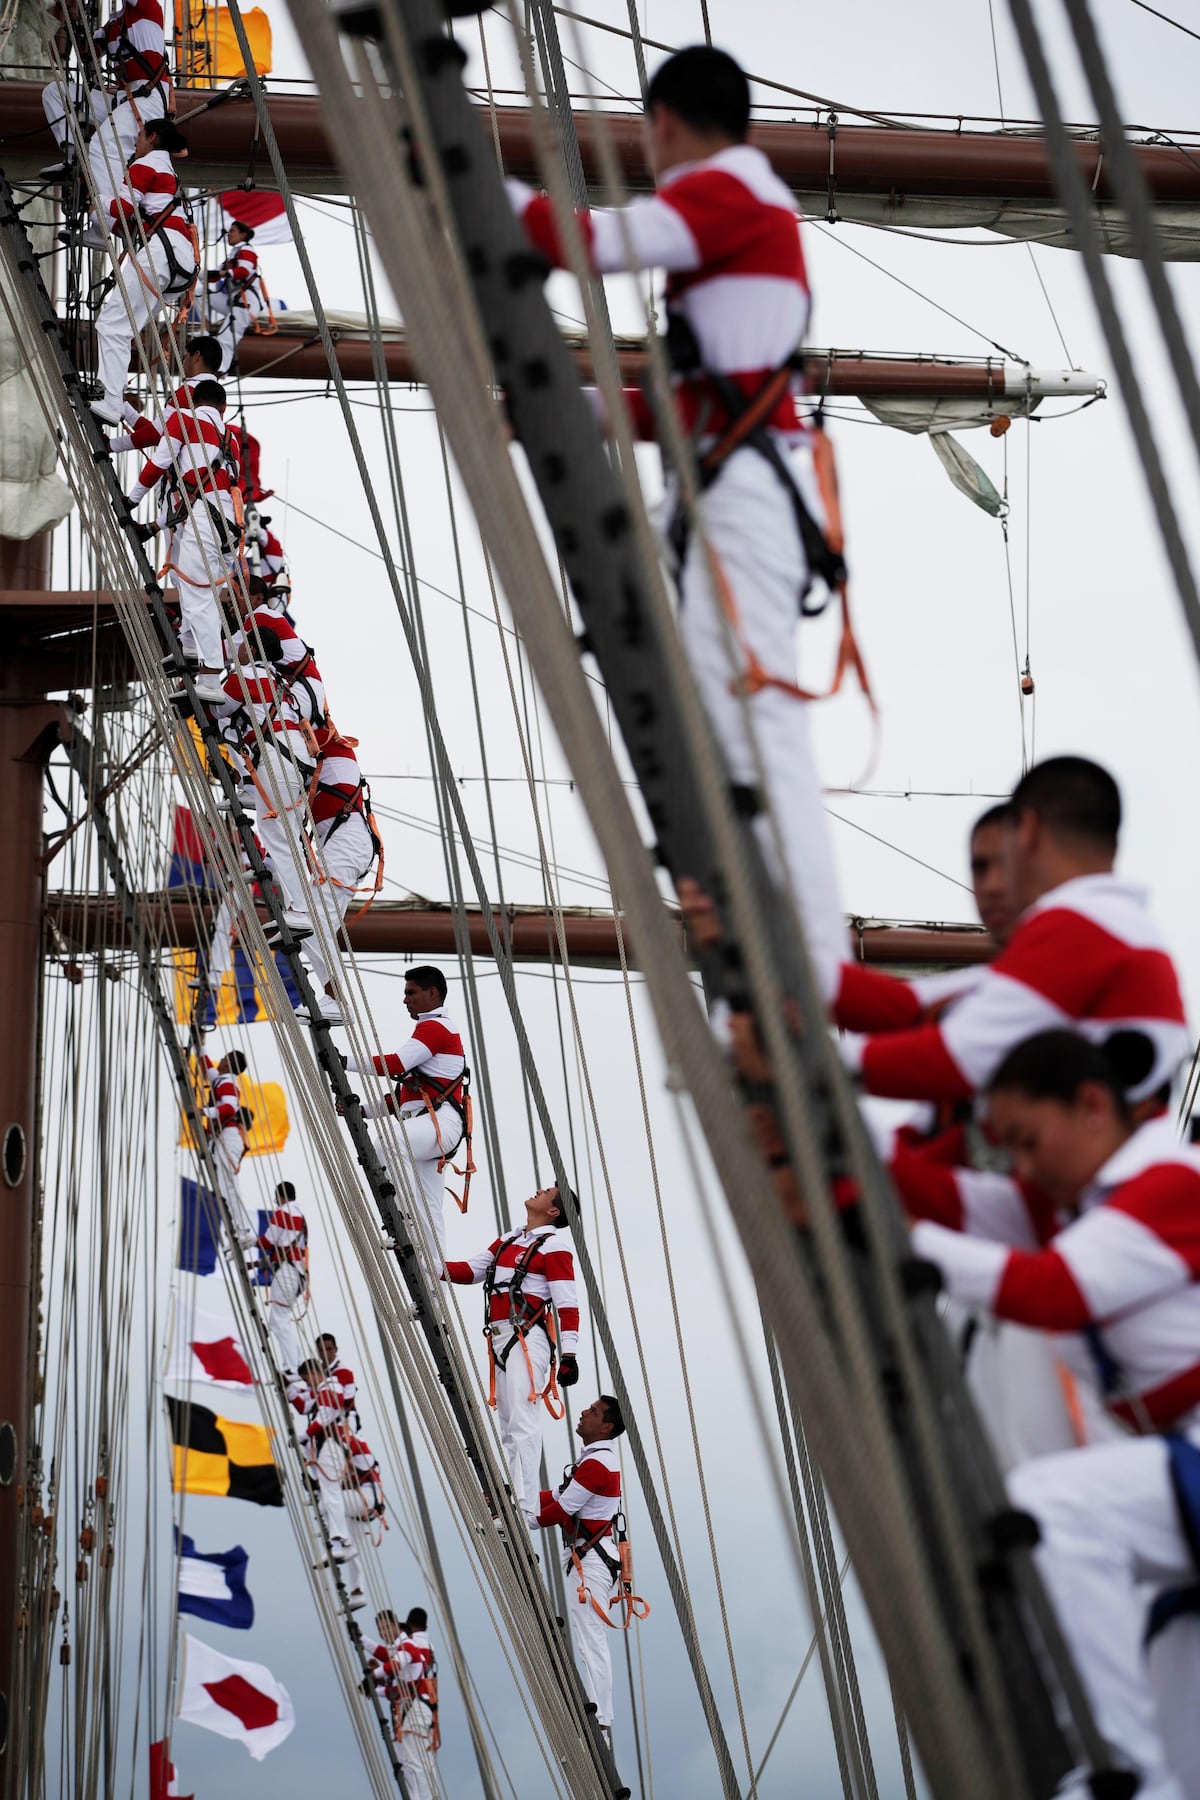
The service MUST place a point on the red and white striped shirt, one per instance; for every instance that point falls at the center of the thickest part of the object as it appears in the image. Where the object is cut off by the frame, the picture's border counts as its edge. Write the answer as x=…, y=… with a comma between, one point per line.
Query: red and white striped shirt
x=226, y=1099
x=255, y=688
x=192, y=448
x=435, y=1049
x=1128, y=1267
x=935, y=1181
x=591, y=1493
x=135, y=39
x=726, y=231
x=1086, y=955
x=343, y=1378
x=148, y=193
x=284, y=1238
x=549, y=1277
x=339, y=786
x=239, y=270
x=322, y=1407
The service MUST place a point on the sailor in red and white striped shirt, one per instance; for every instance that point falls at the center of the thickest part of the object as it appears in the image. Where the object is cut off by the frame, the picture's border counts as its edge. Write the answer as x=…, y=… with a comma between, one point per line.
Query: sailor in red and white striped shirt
x=1085, y=952
x=273, y=740
x=235, y=295
x=135, y=42
x=1121, y=1284
x=584, y=1505
x=283, y=1252
x=724, y=227
x=192, y=468
x=404, y=1669
x=340, y=1375
x=528, y=1282
x=228, y=1121
x=329, y=1458
x=429, y=1104
x=346, y=847
x=133, y=39
x=144, y=210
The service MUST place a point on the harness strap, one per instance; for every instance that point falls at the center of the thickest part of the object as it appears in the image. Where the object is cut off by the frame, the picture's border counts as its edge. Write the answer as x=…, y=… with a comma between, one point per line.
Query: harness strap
x=634, y=1606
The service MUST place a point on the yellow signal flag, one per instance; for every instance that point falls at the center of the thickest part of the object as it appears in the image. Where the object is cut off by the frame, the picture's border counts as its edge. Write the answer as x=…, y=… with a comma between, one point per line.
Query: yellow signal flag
x=221, y=1457
x=210, y=49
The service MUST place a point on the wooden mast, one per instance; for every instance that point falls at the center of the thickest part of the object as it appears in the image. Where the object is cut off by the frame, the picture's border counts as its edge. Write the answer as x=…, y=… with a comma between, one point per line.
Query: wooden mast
x=30, y=727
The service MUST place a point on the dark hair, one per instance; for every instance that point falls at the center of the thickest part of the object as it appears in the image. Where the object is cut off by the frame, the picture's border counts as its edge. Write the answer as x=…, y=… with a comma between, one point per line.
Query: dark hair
x=169, y=136
x=1074, y=797
x=1001, y=814
x=327, y=1337
x=285, y=1190
x=208, y=393
x=235, y=1062
x=427, y=977
x=242, y=226
x=1054, y=1065
x=417, y=1619
x=612, y=1412
x=567, y=1202
x=705, y=88
x=264, y=638
x=387, y=1613
x=208, y=350
x=311, y=1364
x=245, y=1117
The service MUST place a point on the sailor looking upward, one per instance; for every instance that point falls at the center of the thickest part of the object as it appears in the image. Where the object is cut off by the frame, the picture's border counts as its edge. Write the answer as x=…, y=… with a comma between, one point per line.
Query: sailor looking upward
x=528, y=1283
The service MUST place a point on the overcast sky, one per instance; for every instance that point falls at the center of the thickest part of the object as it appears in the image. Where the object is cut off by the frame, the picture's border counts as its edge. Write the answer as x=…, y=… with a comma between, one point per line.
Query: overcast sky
x=1115, y=678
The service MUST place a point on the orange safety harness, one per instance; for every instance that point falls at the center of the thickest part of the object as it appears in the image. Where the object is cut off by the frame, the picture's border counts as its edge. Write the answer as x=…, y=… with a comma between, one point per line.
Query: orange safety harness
x=269, y=726
x=228, y=532
x=358, y=801
x=426, y=1689
x=455, y=1092
x=747, y=421
x=524, y=1316
x=619, y=1567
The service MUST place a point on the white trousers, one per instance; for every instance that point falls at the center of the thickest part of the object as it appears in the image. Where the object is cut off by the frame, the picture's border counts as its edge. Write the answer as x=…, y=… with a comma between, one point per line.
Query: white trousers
x=590, y=1634
x=416, y=1750
x=68, y=99
x=227, y=1151
x=220, y=944
x=131, y=304
x=520, y=1418
x=1015, y=1383
x=329, y=1466
x=1173, y=1665
x=234, y=321
x=279, y=811
x=1108, y=1523
x=115, y=136
x=287, y=1286
x=749, y=522
x=196, y=565
x=346, y=856
x=418, y=1156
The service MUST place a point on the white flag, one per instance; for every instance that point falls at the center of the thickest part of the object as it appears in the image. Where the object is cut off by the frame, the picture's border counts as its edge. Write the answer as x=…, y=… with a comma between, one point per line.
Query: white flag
x=239, y=1700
